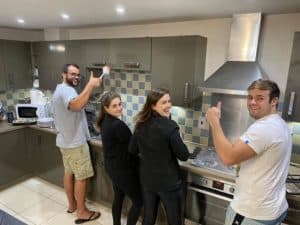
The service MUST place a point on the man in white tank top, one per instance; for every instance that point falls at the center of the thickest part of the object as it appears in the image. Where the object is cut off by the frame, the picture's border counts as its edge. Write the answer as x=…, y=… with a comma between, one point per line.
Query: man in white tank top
x=263, y=153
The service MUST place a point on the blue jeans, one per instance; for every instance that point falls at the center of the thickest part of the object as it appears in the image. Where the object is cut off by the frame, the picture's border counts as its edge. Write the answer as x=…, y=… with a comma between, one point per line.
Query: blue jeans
x=230, y=214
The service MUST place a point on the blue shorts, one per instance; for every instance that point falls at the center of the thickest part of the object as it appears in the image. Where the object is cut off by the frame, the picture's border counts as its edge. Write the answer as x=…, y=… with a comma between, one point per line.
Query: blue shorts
x=230, y=215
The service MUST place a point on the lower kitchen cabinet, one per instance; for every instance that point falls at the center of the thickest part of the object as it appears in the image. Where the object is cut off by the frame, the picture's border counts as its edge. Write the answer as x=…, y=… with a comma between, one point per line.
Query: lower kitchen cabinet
x=46, y=161
x=100, y=186
x=14, y=157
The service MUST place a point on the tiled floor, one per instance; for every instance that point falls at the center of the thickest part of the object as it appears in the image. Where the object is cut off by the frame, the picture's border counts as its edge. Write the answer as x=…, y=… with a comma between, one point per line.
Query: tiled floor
x=37, y=202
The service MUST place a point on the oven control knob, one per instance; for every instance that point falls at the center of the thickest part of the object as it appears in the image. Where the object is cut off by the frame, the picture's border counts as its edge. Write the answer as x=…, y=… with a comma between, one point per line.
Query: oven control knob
x=231, y=189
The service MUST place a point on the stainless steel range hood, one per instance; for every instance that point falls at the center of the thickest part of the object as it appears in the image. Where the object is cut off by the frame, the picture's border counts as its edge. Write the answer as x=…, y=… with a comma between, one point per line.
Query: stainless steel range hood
x=241, y=69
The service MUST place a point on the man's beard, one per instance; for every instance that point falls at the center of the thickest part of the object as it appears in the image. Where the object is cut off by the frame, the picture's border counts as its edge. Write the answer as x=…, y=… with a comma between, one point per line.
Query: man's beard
x=70, y=82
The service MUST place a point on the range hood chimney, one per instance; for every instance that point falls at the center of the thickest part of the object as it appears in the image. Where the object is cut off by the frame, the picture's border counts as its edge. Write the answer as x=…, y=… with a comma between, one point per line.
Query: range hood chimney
x=241, y=69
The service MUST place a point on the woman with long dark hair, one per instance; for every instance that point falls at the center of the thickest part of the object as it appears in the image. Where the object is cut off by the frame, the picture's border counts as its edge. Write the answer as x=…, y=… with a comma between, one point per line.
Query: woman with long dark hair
x=157, y=143
x=119, y=164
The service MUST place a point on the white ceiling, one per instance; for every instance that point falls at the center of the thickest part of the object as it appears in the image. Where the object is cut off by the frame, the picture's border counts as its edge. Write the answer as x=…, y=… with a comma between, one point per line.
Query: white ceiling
x=39, y=14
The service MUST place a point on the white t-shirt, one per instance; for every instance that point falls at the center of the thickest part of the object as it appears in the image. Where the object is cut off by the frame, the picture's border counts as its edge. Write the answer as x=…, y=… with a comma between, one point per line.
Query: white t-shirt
x=260, y=188
x=72, y=126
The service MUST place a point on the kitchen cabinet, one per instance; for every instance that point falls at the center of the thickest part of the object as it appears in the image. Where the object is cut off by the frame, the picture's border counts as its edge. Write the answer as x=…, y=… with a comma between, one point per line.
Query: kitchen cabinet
x=14, y=157
x=100, y=187
x=130, y=53
x=49, y=57
x=178, y=65
x=2, y=73
x=15, y=65
x=46, y=161
x=291, y=106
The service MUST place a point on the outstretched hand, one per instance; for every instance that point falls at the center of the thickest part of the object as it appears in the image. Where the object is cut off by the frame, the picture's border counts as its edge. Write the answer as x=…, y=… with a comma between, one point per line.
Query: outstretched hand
x=94, y=81
x=213, y=114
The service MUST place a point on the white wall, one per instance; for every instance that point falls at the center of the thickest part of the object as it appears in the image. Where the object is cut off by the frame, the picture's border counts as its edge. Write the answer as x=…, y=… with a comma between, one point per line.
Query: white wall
x=276, y=45
x=21, y=35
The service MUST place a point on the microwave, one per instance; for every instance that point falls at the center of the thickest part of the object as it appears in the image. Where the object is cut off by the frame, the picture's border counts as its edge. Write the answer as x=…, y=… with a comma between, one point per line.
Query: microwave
x=28, y=110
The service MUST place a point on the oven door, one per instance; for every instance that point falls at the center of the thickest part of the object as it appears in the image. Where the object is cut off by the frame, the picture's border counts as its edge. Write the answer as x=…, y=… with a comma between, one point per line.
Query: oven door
x=205, y=206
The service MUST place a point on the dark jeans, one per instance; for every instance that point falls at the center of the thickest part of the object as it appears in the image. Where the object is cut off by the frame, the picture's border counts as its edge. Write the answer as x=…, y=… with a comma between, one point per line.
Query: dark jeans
x=171, y=201
x=135, y=196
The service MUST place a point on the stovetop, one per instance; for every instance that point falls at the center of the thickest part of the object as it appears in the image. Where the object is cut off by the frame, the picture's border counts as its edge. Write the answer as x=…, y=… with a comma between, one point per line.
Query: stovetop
x=207, y=158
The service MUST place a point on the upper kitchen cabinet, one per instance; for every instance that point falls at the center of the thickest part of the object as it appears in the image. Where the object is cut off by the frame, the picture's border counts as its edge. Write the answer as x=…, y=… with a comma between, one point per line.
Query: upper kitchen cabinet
x=291, y=107
x=178, y=65
x=15, y=65
x=2, y=76
x=49, y=57
x=130, y=53
x=96, y=52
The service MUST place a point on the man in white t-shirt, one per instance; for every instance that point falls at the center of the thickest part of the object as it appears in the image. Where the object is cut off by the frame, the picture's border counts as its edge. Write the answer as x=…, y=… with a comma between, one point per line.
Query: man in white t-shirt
x=73, y=134
x=263, y=153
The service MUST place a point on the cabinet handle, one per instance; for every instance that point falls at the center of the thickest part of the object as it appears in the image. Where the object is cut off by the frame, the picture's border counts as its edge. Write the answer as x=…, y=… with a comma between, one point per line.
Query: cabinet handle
x=186, y=99
x=291, y=103
x=132, y=65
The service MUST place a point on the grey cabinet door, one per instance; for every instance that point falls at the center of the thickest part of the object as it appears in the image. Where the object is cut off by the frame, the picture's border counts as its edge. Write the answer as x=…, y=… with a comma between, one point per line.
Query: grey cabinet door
x=14, y=157
x=177, y=61
x=49, y=59
x=291, y=109
x=2, y=71
x=130, y=53
x=51, y=165
x=17, y=64
x=96, y=51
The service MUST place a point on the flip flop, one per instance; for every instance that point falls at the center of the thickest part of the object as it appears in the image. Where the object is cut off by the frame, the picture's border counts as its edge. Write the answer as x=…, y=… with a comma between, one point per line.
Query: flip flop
x=71, y=211
x=94, y=215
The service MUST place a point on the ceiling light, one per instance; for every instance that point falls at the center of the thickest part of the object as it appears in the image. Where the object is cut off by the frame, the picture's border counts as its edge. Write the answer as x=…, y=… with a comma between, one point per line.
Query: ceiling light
x=20, y=21
x=65, y=16
x=120, y=10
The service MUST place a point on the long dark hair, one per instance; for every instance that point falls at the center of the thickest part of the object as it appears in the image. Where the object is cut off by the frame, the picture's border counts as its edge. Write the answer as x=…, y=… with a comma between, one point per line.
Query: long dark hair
x=147, y=111
x=105, y=101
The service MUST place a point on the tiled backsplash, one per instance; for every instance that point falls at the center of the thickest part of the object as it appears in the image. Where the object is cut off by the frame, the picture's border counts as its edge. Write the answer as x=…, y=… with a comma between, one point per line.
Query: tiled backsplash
x=187, y=119
x=133, y=87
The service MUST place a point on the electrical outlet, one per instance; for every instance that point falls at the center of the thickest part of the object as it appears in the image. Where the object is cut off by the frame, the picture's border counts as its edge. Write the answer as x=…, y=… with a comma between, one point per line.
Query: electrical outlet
x=202, y=122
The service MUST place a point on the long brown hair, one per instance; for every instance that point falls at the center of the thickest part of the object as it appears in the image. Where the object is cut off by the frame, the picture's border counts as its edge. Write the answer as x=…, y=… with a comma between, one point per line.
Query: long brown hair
x=105, y=101
x=147, y=111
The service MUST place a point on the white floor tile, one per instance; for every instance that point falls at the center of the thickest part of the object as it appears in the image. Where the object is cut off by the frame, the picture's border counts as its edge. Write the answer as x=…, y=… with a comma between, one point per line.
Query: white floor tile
x=60, y=197
x=7, y=210
x=43, y=211
x=38, y=185
x=19, y=198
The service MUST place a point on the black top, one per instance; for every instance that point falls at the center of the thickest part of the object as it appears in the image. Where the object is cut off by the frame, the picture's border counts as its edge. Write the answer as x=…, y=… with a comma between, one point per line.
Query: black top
x=158, y=144
x=115, y=139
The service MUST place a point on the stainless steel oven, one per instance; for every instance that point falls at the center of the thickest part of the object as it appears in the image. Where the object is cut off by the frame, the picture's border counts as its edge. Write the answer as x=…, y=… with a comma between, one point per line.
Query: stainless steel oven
x=207, y=200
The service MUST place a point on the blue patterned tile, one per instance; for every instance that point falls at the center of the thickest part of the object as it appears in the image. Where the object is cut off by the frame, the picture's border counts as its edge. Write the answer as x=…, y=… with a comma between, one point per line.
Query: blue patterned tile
x=135, y=106
x=123, y=76
x=141, y=100
x=204, y=133
x=118, y=83
x=129, y=112
x=188, y=130
x=189, y=114
x=148, y=78
x=135, y=77
x=196, y=139
x=129, y=98
x=141, y=85
x=135, y=91
x=129, y=84
x=123, y=90
x=112, y=75
x=296, y=129
x=106, y=82
x=181, y=121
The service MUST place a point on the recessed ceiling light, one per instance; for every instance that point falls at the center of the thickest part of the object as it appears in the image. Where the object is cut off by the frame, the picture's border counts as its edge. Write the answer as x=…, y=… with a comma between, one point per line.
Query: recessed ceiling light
x=120, y=10
x=21, y=21
x=65, y=16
